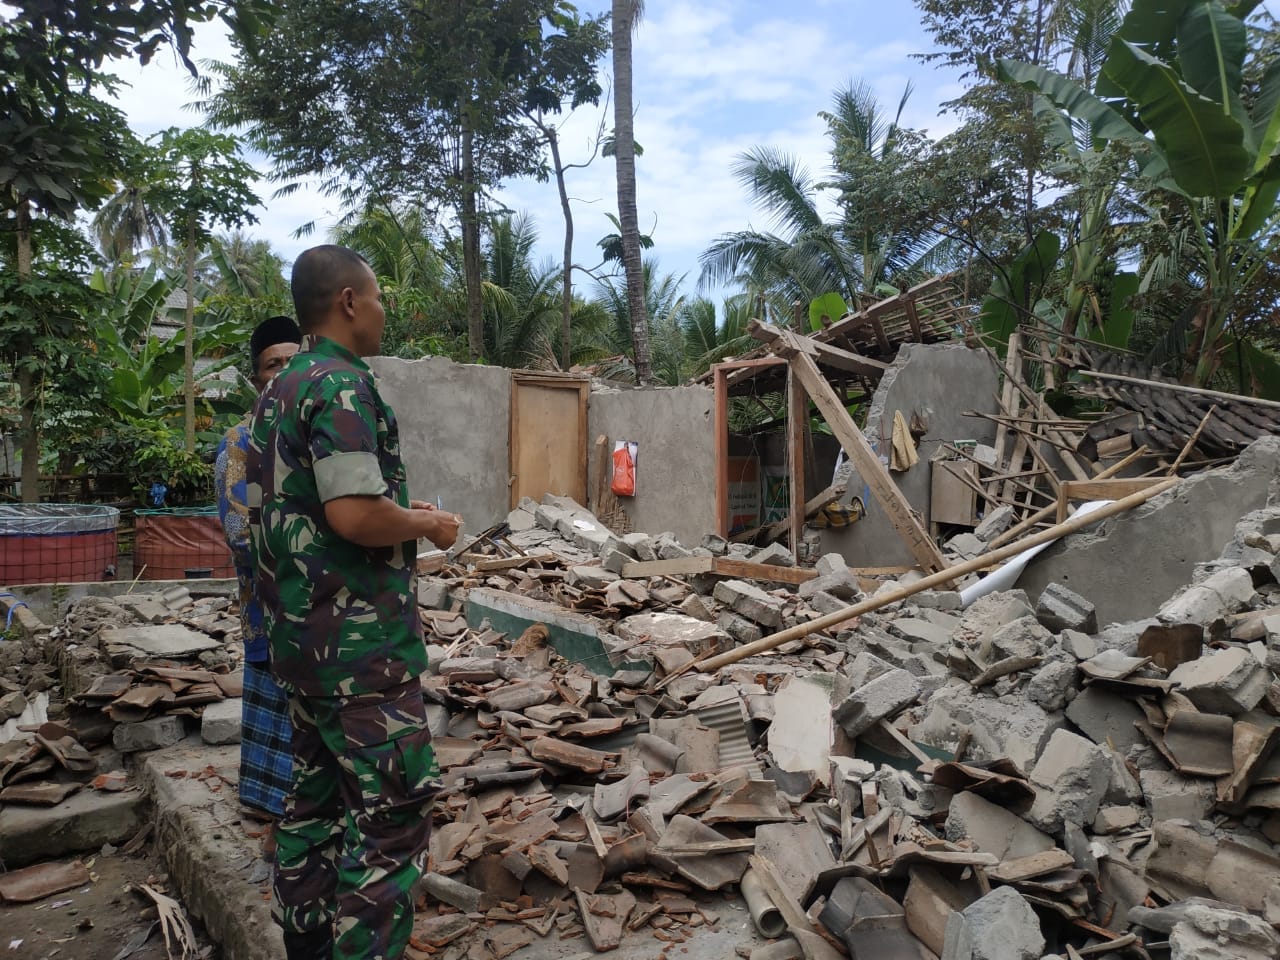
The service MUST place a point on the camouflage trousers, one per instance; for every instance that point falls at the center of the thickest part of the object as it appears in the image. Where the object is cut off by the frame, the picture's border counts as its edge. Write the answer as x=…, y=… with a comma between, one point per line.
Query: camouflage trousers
x=351, y=845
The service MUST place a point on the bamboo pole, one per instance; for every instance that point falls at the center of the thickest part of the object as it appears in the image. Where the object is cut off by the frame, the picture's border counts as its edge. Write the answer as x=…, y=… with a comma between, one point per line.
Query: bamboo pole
x=1191, y=443
x=1179, y=388
x=708, y=664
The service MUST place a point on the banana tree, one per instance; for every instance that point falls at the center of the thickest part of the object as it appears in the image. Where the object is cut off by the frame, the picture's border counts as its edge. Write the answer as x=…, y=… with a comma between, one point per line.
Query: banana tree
x=1171, y=92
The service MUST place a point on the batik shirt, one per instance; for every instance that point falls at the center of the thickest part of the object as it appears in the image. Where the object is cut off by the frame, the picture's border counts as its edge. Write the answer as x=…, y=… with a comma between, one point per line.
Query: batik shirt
x=342, y=619
x=233, y=511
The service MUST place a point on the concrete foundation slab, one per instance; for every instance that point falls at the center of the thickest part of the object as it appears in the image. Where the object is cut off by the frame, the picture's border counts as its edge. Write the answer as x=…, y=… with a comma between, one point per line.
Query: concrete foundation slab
x=84, y=821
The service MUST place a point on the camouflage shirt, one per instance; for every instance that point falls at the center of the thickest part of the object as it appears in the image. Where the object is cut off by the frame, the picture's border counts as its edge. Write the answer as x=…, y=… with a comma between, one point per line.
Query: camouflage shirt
x=342, y=619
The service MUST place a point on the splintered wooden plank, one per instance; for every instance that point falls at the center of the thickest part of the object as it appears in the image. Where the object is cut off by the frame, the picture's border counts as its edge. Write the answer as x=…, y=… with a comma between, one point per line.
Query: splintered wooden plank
x=868, y=465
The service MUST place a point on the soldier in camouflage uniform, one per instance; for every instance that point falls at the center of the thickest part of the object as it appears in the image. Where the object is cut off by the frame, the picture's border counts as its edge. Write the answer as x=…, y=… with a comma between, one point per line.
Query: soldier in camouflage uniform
x=335, y=538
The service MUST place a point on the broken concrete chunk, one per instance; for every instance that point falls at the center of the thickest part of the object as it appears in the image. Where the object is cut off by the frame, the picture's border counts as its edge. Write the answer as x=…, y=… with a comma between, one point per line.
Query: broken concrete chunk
x=1079, y=645
x=775, y=554
x=1061, y=609
x=1052, y=685
x=750, y=601
x=1070, y=779
x=1024, y=638
x=660, y=630
x=993, y=829
x=220, y=722
x=800, y=736
x=148, y=734
x=1000, y=926
x=1228, y=681
x=882, y=697
x=1171, y=796
x=843, y=585
x=1005, y=727
x=1225, y=592
x=739, y=628
x=996, y=522
x=1210, y=933
x=1105, y=716
x=1114, y=819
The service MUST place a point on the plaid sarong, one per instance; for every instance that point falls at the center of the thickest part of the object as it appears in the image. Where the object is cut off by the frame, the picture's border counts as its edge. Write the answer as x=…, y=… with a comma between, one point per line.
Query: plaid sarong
x=266, y=742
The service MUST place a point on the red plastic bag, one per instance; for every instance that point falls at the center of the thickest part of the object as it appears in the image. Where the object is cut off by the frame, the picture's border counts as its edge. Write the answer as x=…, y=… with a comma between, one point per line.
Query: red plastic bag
x=624, y=472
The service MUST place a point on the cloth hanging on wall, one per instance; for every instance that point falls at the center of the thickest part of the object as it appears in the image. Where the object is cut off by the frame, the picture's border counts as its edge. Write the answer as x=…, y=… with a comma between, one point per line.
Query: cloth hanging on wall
x=902, y=448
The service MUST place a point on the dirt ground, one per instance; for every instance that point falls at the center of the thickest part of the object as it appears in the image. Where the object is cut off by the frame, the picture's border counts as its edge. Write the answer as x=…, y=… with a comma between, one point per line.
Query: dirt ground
x=101, y=921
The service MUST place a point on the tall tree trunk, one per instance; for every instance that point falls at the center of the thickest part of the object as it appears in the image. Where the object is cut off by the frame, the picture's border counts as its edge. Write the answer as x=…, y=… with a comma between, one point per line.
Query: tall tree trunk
x=27, y=381
x=188, y=350
x=625, y=161
x=566, y=303
x=471, y=246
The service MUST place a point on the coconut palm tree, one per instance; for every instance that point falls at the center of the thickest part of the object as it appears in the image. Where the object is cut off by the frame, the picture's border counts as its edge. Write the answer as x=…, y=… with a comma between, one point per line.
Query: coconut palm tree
x=127, y=222
x=881, y=235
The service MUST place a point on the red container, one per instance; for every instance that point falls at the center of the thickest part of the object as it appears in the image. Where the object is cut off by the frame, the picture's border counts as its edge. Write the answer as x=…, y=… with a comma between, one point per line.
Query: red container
x=180, y=544
x=57, y=543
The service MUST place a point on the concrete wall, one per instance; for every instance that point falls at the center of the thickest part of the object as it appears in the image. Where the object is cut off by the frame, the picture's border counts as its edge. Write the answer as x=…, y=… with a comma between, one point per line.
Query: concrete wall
x=455, y=423
x=1132, y=563
x=942, y=382
x=455, y=432
x=675, y=468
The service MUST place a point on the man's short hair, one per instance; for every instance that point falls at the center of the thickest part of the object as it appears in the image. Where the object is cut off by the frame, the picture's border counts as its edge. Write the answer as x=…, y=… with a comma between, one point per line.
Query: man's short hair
x=319, y=274
x=268, y=333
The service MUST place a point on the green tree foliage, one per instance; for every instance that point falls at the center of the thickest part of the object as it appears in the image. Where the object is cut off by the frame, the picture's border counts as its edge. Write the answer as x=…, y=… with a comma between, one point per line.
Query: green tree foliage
x=1205, y=145
x=198, y=181
x=399, y=100
x=883, y=232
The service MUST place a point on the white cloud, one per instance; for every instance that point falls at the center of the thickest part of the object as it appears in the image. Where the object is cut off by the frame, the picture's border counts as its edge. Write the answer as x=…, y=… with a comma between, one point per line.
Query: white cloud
x=711, y=81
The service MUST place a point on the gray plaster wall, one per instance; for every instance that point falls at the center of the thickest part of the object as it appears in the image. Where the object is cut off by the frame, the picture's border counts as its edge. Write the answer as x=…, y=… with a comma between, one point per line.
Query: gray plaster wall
x=455, y=425
x=1130, y=564
x=675, y=468
x=941, y=381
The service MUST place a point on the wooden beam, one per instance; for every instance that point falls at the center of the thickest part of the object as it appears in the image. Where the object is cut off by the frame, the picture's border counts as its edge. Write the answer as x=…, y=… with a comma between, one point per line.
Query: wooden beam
x=797, y=417
x=870, y=469
x=768, y=533
x=824, y=353
x=1111, y=489
x=1179, y=388
x=723, y=566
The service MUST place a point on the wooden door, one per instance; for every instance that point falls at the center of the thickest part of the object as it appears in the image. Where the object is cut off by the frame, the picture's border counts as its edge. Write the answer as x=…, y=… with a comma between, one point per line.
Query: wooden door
x=548, y=437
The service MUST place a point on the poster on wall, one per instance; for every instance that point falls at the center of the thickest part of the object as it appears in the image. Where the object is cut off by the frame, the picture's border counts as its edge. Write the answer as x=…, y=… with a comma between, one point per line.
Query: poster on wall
x=777, y=494
x=744, y=493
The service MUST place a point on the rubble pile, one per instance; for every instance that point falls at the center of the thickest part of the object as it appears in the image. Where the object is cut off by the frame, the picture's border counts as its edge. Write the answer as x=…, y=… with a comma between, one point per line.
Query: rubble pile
x=123, y=675
x=1006, y=780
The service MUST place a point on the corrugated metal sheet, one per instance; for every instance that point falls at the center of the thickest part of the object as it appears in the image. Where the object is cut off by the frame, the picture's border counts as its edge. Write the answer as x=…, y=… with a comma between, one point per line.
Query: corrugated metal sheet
x=735, y=749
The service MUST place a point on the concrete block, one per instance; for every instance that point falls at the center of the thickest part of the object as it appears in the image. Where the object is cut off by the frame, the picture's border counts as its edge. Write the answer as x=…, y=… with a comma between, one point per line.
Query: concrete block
x=965, y=545
x=548, y=517
x=993, y=829
x=590, y=535
x=433, y=593
x=750, y=601
x=521, y=520
x=1114, y=819
x=694, y=606
x=825, y=603
x=1024, y=637
x=882, y=697
x=590, y=578
x=1052, y=685
x=739, y=628
x=148, y=734
x=1171, y=796
x=717, y=545
x=1070, y=779
x=776, y=554
x=830, y=564
x=1079, y=645
x=800, y=736
x=1061, y=609
x=944, y=600
x=843, y=585
x=162, y=641
x=1212, y=933
x=1000, y=926
x=1122, y=786
x=1225, y=592
x=915, y=630
x=996, y=522
x=988, y=614
x=84, y=821
x=866, y=666
x=220, y=722
x=614, y=557
x=1101, y=715
x=641, y=544
x=1229, y=681
x=668, y=547
x=658, y=629
x=998, y=727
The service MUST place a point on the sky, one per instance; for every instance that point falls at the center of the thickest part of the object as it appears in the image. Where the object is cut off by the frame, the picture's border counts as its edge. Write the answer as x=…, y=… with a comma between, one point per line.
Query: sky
x=711, y=80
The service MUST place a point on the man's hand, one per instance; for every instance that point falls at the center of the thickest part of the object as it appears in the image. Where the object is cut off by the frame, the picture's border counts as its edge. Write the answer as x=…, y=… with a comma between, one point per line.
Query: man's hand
x=439, y=527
